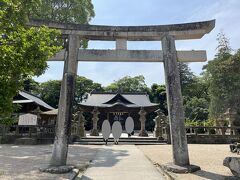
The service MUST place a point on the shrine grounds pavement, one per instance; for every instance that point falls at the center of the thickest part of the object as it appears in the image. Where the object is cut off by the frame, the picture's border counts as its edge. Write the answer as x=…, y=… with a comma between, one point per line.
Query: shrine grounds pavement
x=208, y=156
x=22, y=162
x=113, y=162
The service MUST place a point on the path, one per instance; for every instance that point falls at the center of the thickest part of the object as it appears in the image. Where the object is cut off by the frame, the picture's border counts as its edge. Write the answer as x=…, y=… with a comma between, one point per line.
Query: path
x=125, y=162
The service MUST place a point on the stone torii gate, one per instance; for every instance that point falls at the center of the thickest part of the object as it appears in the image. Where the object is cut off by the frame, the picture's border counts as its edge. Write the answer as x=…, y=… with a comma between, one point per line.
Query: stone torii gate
x=167, y=34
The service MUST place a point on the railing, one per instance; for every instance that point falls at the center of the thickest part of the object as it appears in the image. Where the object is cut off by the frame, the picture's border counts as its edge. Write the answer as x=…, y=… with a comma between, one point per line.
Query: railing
x=207, y=135
x=213, y=130
x=30, y=131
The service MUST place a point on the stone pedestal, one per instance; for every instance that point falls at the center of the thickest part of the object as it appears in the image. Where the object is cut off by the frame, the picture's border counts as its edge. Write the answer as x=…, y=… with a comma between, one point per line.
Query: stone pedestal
x=95, y=118
x=142, y=119
x=175, y=102
x=181, y=169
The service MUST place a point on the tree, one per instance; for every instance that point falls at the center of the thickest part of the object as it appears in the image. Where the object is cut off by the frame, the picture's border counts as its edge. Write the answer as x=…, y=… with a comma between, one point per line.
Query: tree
x=196, y=109
x=68, y=11
x=195, y=94
x=85, y=86
x=186, y=78
x=50, y=92
x=158, y=95
x=65, y=11
x=128, y=84
x=224, y=78
x=23, y=50
x=31, y=85
x=196, y=102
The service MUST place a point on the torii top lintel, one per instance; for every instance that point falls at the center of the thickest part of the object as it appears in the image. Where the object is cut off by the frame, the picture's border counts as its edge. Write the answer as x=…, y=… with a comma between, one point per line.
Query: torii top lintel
x=194, y=30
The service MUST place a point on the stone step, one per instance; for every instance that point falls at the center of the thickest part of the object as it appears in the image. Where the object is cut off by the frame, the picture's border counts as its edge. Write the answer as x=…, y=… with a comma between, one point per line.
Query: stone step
x=135, y=141
x=111, y=140
x=120, y=143
x=122, y=138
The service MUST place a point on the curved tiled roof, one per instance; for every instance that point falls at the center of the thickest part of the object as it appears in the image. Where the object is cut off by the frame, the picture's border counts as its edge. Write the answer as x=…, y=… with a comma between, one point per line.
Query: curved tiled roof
x=124, y=99
x=32, y=98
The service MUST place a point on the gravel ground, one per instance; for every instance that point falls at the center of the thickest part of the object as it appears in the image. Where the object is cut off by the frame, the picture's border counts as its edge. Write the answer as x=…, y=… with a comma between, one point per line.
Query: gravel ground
x=208, y=157
x=23, y=162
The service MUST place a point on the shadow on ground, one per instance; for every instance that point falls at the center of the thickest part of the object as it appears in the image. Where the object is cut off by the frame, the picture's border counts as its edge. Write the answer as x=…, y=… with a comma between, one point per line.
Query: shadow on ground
x=213, y=176
x=23, y=162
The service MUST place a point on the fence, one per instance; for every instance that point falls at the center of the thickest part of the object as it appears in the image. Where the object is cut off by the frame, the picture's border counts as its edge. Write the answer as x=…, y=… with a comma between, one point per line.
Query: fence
x=207, y=135
x=41, y=133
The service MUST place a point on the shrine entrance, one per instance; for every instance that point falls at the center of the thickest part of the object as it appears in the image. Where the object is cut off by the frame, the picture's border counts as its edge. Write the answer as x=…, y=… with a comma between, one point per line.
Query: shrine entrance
x=167, y=34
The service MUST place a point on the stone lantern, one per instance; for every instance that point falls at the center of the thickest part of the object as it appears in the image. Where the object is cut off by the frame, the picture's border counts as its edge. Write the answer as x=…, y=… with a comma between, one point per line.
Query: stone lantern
x=142, y=119
x=160, y=121
x=221, y=122
x=231, y=115
x=95, y=119
x=79, y=120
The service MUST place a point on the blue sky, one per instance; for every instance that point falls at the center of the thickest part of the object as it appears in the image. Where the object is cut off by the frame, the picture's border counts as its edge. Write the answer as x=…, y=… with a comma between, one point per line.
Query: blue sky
x=154, y=12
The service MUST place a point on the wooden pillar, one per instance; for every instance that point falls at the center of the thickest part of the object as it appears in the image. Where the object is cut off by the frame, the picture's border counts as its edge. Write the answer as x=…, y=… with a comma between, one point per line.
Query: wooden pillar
x=175, y=102
x=63, y=125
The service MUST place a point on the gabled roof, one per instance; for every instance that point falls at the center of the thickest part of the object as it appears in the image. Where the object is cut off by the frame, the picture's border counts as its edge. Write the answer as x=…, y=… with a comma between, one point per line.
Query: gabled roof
x=28, y=98
x=134, y=100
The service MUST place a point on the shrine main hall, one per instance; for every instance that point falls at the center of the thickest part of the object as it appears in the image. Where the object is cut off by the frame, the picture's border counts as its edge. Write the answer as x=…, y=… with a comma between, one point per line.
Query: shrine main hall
x=117, y=107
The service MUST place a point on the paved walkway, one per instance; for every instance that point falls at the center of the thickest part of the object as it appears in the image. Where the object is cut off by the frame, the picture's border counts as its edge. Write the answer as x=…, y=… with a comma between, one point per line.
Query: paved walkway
x=125, y=162
x=22, y=162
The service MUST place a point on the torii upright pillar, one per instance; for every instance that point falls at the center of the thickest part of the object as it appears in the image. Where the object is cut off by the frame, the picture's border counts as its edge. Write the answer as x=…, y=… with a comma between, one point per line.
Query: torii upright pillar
x=63, y=126
x=175, y=109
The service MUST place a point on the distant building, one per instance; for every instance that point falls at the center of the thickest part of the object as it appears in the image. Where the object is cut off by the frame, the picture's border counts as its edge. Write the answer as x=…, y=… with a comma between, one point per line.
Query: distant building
x=30, y=102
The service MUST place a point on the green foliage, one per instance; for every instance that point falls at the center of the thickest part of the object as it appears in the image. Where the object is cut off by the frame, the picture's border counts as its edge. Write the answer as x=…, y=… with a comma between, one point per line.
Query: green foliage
x=195, y=94
x=128, y=84
x=84, y=86
x=23, y=50
x=224, y=79
x=196, y=108
x=7, y=121
x=70, y=11
x=206, y=123
x=158, y=95
x=30, y=85
x=50, y=91
x=186, y=78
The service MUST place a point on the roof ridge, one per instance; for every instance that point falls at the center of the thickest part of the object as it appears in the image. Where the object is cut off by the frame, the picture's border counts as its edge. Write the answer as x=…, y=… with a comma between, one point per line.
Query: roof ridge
x=31, y=94
x=122, y=93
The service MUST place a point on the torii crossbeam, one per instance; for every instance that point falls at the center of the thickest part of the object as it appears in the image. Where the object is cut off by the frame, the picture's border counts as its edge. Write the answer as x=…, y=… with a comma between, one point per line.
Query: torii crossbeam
x=167, y=34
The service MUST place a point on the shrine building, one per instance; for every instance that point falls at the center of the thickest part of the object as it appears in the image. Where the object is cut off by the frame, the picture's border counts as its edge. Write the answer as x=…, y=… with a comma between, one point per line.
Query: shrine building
x=117, y=107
